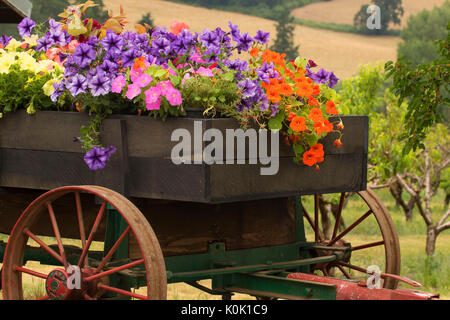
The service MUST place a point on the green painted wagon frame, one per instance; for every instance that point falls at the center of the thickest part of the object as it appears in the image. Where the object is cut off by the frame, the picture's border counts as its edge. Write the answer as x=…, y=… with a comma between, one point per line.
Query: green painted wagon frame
x=162, y=223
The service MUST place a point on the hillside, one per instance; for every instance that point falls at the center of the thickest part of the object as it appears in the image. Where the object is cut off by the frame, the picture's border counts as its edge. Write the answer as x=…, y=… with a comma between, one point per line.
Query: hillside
x=340, y=52
x=343, y=11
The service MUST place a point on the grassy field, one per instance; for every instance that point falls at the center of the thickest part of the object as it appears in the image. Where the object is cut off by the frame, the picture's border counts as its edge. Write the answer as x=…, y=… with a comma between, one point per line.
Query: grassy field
x=341, y=52
x=433, y=273
x=343, y=11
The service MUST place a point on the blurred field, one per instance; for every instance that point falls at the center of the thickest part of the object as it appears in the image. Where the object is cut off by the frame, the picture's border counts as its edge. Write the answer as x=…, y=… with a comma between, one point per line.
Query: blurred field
x=341, y=52
x=343, y=11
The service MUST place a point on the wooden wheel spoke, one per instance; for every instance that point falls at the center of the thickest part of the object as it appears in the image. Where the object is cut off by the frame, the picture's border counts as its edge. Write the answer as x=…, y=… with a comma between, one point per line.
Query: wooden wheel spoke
x=316, y=218
x=80, y=221
x=113, y=249
x=350, y=228
x=97, y=221
x=30, y=272
x=368, y=245
x=57, y=234
x=43, y=245
x=351, y=266
x=338, y=215
x=115, y=270
x=122, y=292
x=311, y=222
x=344, y=272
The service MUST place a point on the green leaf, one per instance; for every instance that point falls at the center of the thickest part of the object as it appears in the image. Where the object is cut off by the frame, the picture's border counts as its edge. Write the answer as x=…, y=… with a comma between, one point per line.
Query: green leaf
x=275, y=124
x=311, y=139
x=298, y=149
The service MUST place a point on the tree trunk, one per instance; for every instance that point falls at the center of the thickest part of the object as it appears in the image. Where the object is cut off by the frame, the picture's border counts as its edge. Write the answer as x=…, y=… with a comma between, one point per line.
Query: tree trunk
x=396, y=190
x=431, y=240
x=325, y=217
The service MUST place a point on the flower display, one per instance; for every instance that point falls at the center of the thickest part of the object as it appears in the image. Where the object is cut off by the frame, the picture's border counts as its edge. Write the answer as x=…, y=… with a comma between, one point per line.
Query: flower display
x=163, y=73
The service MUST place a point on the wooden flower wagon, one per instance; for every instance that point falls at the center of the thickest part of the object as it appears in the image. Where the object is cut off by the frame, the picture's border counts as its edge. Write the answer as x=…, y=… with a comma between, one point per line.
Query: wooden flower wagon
x=145, y=222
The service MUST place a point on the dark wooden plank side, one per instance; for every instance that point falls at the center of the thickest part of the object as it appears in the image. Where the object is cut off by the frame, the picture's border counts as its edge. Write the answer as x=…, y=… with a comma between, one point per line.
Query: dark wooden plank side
x=42, y=170
x=188, y=228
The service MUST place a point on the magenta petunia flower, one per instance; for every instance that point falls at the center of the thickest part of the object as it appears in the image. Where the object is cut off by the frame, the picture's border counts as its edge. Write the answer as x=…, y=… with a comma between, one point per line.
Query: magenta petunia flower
x=174, y=97
x=133, y=91
x=152, y=95
x=118, y=84
x=154, y=105
x=143, y=80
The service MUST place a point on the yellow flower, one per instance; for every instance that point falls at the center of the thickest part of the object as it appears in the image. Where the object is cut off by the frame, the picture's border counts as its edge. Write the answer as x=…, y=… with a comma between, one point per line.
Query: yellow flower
x=27, y=62
x=13, y=45
x=32, y=40
x=48, y=87
x=6, y=60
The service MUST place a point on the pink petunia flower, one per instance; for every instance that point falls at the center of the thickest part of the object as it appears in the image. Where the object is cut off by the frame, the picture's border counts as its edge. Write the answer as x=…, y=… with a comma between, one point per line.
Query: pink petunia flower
x=174, y=97
x=197, y=57
x=135, y=73
x=205, y=72
x=164, y=87
x=133, y=91
x=154, y=105
x=152, y=95
x=143, y=80
x=118, y=84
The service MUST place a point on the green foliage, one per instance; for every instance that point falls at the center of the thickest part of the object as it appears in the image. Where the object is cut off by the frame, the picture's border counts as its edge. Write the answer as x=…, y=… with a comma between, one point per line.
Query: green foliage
x=391, y=12
x=284, y=41
x=422, y=31
x=147, y=19
x=426, y=88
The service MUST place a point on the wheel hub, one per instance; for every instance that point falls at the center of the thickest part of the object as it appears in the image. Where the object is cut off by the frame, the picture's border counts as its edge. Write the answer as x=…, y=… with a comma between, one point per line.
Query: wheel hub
x=59, y=285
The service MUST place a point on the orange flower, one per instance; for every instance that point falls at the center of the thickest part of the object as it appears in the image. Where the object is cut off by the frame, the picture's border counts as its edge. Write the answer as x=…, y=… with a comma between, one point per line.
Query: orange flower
x=286, y=89
x=323, y=126
x=318, y=151
x=338, y=143
x=331, y=107
x=298, y=124
x=313, y=102
x=291, y=116
x=316, y=90
x=139, y=63
x=309, y=158
x=316, y=115
x=273, y=96
x=254, y=52
x=304, y=90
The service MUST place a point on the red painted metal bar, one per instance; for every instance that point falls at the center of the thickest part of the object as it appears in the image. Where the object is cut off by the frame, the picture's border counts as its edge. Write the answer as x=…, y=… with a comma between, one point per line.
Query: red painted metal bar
x=368, y=245
x=113, y=249
x=97, y=221
x=114, y=270
x=30, y=272
x=43, y=245
x=350, y=228
x=123, y=292
x=57, y=234
x=347, y=290
x=80, y=222
x=43, y=298
x=338, y=216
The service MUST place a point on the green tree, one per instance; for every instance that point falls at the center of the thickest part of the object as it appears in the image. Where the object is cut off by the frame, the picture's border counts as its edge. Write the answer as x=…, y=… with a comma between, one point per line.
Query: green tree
x=284, y=41
x=391, y=12
x=147, y=19
x=422, y=31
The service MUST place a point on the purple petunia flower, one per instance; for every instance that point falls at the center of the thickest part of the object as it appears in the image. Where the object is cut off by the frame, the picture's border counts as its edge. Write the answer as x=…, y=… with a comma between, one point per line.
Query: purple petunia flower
x=25, y=27
x=210, y=39
x=322, y=76
x=235, y=32
x=244, y=42
x=4, y=40
x=76, y=85
x=83, y=55
x=333, y=80
x=248, y=87
x=108, y=67
x=57, y=37
x=274, y=109
x=96, y=158
x=129, y=56
x=112, y=41
x=59, y=89
x=262, y=37
x=43, y=44
x=161, y=45
x=55, y=26
x=100, y=84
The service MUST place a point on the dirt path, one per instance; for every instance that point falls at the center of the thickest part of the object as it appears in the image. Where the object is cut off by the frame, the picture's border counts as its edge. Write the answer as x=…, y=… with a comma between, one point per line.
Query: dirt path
x=341, y=52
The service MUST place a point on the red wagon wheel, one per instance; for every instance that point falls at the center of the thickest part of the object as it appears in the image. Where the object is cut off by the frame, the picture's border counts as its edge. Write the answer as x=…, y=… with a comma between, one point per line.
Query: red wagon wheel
x=383, y=249
x=94, y=277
